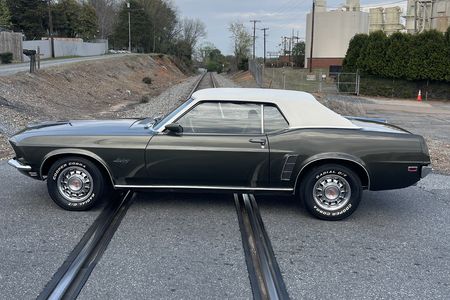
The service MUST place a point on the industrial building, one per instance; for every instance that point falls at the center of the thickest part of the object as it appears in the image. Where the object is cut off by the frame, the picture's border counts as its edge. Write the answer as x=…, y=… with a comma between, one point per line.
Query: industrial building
x=427, y=14
x=332, y=32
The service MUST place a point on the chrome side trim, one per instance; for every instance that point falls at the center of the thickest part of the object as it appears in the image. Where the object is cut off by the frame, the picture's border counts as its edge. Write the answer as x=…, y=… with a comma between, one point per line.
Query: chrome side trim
x=204, y=187
x=18, y=165
x=425, y=171
x=335, y=158
x=70, y=151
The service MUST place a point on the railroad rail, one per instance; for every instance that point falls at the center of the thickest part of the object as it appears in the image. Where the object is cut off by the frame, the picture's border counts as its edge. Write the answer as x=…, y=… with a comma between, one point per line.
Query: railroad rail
x=265, y=275
x=75, y=271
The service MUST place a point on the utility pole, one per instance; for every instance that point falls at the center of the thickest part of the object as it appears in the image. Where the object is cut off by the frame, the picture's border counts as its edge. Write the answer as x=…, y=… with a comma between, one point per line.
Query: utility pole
x=254, y=35
x=129, y=26
x=50, y=30
x=264, y=29
x=312, y=36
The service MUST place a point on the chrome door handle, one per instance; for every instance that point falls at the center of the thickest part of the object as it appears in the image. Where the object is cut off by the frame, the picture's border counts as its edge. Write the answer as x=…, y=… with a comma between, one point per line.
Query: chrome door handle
x=258, y=141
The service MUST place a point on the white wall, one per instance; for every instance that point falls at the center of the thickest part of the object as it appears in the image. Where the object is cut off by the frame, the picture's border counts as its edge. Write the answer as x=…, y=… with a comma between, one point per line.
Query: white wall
x=67, y=47
x=333, y=31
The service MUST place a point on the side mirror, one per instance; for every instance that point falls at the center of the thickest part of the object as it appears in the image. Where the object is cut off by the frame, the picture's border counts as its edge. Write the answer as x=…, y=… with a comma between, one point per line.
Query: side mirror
x=174, y=128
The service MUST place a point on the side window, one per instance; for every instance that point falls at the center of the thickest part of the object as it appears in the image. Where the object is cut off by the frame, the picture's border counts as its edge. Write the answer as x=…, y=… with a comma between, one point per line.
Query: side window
x=273, y=119
x=223, y=118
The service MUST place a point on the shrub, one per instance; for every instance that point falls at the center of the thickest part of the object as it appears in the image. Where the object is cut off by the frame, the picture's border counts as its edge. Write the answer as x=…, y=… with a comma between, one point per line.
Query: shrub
x=145, y=99
x=6, y=58
x=147, y=80
x=400, y=88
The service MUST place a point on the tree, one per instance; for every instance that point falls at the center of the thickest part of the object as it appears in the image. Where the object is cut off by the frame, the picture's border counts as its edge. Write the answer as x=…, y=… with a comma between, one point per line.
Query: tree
x=5, y=15
x=298, y=51
x=106, y=11
x=397, y=59
x=192, y=31
x=371, y=60
x=141, y=28
x=242, y=42
x=28, y=16
x=153, y=26
x=72, y=19
x=357, y=43
x=215, y=61
x=428, y=56
x=87, y=27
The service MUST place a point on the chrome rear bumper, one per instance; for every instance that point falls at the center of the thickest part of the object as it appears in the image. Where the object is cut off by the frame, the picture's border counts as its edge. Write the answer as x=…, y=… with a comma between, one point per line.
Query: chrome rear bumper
x=18, y=165
x=425, y=171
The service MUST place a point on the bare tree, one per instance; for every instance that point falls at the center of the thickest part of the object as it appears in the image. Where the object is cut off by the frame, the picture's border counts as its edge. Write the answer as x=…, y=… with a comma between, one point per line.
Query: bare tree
x=242, y=41
x=106, y=11
x=192, y=31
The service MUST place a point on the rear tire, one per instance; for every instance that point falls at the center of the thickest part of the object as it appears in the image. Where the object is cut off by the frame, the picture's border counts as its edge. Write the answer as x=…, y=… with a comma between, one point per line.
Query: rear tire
x=331, y=192
x=75, y=183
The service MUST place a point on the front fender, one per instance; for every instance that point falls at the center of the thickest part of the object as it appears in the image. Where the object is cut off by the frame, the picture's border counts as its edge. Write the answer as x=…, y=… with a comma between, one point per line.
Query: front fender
x=74, y=151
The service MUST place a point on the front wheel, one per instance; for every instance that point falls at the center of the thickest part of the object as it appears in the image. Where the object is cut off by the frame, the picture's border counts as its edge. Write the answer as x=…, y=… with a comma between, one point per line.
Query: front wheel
x=331, y=192
x=75, y=183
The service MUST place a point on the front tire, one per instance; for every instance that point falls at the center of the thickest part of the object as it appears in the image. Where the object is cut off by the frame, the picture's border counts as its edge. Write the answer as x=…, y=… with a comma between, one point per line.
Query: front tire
x=75, y=183
x=331, y=192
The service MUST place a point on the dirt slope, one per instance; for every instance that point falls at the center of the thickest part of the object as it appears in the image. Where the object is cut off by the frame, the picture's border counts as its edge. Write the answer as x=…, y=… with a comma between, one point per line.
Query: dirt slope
x=94, y=89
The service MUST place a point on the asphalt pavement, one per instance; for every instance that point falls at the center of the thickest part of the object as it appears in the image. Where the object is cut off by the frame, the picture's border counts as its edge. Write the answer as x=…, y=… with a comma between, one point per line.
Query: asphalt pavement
x=188, y=246
x=36, y=236
x=11, y=69
x=395, y=246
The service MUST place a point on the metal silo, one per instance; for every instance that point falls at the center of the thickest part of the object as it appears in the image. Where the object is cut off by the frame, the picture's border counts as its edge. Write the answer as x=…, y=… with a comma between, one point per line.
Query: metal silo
x=376, y=21
x=321, y=5
x=352, y=5
x=392, y=22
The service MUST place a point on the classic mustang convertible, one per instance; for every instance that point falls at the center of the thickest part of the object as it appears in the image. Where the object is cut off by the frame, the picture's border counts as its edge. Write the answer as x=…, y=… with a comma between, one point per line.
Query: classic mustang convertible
x=252, y=140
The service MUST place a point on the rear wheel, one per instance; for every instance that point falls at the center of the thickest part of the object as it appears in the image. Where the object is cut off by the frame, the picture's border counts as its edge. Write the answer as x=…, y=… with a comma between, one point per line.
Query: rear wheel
x=75, y=183
x=331, y=192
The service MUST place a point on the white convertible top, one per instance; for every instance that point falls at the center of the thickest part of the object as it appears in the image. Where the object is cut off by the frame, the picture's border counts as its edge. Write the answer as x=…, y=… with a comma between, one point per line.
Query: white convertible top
x=300, y=109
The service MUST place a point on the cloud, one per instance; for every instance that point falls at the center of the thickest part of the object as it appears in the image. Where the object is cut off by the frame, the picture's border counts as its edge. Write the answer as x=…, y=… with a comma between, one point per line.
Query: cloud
x=260, y=15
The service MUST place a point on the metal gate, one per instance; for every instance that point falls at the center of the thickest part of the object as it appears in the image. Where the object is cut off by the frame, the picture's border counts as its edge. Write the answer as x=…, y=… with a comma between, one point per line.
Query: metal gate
x=317, y=81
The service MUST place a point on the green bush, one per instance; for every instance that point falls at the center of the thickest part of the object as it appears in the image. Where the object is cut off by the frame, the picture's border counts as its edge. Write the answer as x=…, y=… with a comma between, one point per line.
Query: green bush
x=147, y=80
x=6, y=58
x=417, y=57
x=400, y=88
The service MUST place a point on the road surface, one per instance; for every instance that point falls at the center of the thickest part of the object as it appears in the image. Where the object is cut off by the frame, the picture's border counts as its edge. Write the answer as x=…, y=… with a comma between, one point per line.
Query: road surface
x=24, y=67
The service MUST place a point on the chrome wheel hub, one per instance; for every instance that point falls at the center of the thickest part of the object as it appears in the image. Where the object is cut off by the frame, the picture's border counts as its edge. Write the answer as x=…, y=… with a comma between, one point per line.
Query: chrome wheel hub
x=75, y=184
x=332, y=192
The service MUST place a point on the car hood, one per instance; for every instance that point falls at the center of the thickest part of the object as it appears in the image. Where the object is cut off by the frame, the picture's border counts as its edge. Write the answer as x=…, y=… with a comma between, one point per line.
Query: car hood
x=84, y=127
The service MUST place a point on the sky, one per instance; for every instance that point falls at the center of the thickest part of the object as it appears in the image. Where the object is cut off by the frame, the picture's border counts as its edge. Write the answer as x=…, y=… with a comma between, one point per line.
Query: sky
x=280, y=16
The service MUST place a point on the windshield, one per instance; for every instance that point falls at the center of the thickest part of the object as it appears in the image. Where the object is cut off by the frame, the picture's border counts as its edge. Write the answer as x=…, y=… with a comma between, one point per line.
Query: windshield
x=170, y=115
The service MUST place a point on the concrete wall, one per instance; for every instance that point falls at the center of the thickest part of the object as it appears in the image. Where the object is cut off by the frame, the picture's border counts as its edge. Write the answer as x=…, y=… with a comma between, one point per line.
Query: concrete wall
x=11, y=42
x=333, y=31
x=67, y=47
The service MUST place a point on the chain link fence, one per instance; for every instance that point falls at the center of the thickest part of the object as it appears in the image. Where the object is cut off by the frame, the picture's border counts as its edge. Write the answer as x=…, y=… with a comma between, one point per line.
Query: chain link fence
x=318, y=81
x=257, y=71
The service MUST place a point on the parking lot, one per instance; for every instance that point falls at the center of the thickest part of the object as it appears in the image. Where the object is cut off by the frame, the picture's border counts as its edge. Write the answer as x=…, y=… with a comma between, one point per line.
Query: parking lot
x=173, y=245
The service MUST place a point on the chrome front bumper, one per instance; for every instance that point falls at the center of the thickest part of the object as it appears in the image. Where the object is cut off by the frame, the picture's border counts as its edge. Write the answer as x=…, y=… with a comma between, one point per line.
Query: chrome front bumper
x=18, y=165
x=425, y=171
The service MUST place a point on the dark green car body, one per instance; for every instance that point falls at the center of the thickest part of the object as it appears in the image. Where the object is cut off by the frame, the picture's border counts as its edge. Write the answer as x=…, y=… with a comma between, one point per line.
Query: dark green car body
x=134, y=155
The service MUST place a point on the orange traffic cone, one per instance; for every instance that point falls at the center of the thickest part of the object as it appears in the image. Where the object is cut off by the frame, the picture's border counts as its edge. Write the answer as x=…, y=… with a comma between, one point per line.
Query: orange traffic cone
x=419, y=96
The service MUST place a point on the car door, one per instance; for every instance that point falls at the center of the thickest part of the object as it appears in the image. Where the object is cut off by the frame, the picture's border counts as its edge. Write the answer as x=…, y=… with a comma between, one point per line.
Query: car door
x=222, y=145
x=282, y=156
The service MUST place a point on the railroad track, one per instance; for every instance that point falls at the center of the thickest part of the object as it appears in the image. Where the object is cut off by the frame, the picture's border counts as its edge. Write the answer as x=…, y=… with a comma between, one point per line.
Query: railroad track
x=206, y=80
x=265, y=276
x=75, y=271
